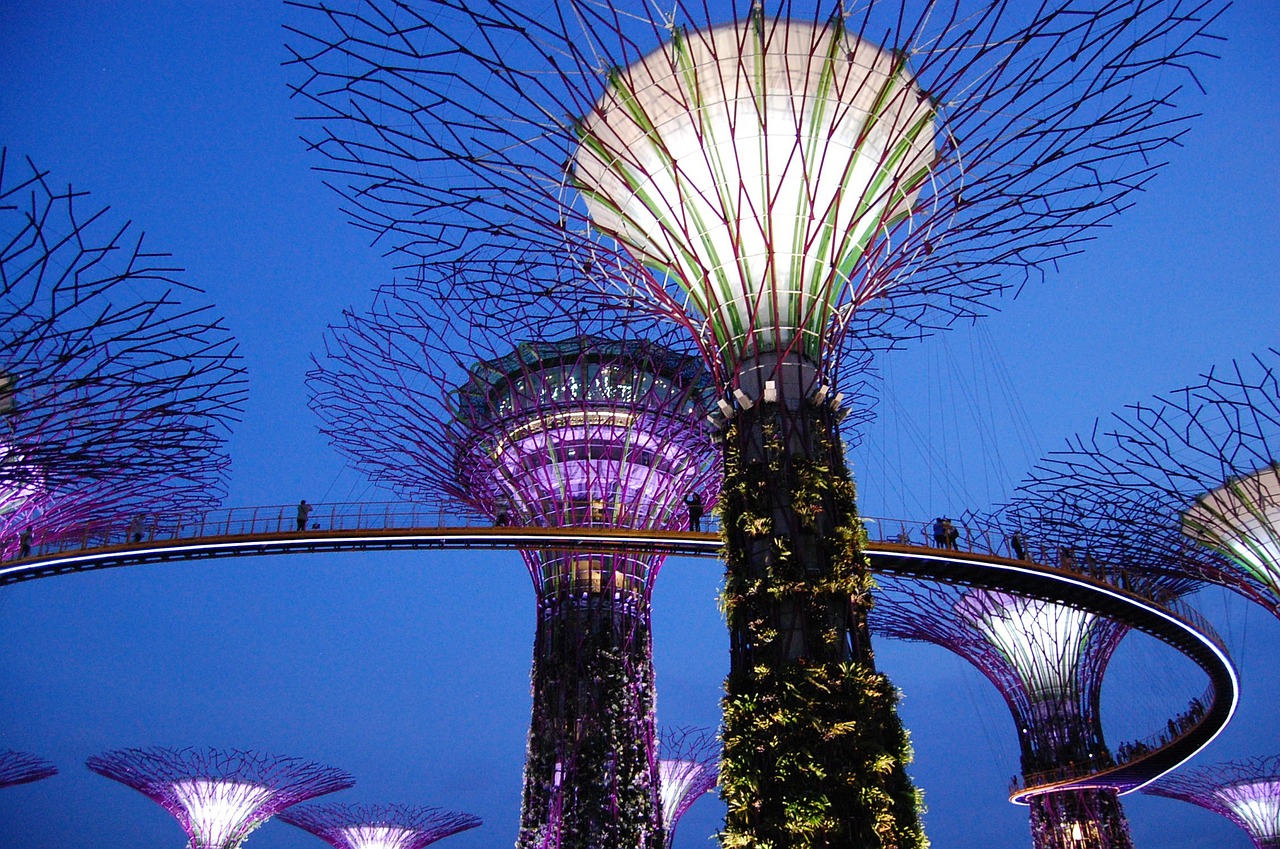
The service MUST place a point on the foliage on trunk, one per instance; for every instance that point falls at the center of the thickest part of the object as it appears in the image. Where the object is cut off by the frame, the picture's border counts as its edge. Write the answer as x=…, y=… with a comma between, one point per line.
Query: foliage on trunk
x=591, y=772
x=814, y=752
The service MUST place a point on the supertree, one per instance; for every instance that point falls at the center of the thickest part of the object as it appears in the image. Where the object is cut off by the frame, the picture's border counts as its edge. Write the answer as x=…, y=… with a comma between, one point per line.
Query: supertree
x=787, y=189
x=1194, y=472
x=378, y=826
x=23, y=768
x=1246, y=792
x=1048, y=660
x=551, y=420
x=114, y=396
x=689, y=768
x=219, y=797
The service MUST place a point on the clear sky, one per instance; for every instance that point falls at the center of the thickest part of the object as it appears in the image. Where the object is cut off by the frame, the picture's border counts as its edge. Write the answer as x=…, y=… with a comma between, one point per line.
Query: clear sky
x=411, y=670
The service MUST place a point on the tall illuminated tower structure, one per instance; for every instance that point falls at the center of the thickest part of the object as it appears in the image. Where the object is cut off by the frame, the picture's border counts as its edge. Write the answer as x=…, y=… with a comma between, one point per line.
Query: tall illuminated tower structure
x=345, y=826
x=576, y=431
x=115, y=397
x=1195, y=471
x=218, y=797
x=1047, y=660
x=23, y=768
x=788, y=189
x=1246, y=792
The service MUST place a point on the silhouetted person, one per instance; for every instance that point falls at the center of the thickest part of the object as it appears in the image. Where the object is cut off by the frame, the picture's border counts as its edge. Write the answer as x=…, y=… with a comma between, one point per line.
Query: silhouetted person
x=136, y=527
x=1019, y=545
x=694, y=502
x=939, y=533
x=24, y=542
x=504, y=515
x=304, y=512
x=952, y=535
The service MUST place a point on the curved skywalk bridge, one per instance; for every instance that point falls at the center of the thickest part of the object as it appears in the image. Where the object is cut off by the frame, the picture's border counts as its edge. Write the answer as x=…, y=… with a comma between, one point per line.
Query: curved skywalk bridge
x=254, y=531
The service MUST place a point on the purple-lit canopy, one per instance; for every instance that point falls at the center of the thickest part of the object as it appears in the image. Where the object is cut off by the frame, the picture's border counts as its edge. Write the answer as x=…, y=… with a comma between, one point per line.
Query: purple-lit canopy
x=115, y=396
x=346, y=826
x=22, y=768
x=218, y=797
x=536, y=418
x=688, y=770
x=1247, y=792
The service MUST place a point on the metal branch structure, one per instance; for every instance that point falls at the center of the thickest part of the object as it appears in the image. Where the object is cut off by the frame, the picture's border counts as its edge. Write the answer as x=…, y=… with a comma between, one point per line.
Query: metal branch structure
x=688, y=770
x=345, y=826
x=1246, y=792
x=23, y=768
x=115, y=395
x=1047, y=660
x=599, y=428
x=788, y=187
x=219, y=797
x=1194, y=472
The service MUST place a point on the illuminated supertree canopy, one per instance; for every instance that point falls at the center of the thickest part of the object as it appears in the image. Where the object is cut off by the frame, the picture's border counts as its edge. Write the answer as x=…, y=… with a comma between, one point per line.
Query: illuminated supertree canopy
x=788, y=188
x=23, y=768
x=583, y=429
x=688, y=770
x=1246, y=792
x=219, y=797
x=1197, y=465
x=115, y=394
x=346, y=826
x=1048, y=661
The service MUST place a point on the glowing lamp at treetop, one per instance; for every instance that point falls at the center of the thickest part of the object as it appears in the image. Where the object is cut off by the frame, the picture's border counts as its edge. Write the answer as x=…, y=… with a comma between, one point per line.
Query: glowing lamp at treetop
x=759, y=164
x=1256, y=804
x=1241, y=520
x=1042, y=641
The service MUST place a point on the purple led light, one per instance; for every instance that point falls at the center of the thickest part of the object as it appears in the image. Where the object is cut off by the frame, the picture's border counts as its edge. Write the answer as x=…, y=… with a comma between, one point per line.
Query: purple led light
x=218, y=797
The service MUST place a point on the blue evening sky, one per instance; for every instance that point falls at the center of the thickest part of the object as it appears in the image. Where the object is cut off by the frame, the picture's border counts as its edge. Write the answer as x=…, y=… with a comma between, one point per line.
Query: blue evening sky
x=411, y=670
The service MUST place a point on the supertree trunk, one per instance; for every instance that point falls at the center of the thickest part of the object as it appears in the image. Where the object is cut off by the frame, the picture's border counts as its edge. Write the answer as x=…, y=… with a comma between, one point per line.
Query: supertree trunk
x=597, y=787
x=815, y=753
x=1079, y=819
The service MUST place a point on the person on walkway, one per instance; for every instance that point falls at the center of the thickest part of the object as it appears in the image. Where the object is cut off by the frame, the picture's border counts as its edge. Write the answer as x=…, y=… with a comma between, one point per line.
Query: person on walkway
x=694, y=502
x=1019, y=545
x=304, y=513
x=136, y=527
x=24, y=542
x=939, y=533
x=953, y=535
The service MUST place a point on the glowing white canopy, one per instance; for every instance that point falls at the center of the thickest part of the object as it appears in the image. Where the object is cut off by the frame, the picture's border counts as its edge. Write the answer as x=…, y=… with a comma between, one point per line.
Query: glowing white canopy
x=220, y=813
x=1042, y=641
x=1241, y=519
x=1256, y=804
x=368, y=836
x=757, y=163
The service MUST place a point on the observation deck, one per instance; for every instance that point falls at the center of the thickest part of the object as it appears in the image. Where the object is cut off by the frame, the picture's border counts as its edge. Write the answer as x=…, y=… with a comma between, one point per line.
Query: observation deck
x=256, y=531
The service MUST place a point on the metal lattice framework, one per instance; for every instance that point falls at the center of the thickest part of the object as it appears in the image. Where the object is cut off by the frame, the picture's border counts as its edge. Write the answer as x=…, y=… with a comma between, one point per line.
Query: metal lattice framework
x=115, y=396
x=603, y=428
x=688, y=770
x=913, y=157
x=345, y=826
x=788, y=189
x=23, y=768
x=219, y=796
x=1048, y=661
x=1194, y=472
x=1246, y=792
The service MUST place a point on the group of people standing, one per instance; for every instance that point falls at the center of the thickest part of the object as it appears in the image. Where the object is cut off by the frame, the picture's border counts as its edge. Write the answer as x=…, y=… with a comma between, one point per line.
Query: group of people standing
x=946, y=534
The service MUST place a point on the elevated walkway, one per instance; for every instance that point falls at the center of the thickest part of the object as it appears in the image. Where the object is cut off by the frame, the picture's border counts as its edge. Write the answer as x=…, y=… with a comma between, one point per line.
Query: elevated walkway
x=256, y=531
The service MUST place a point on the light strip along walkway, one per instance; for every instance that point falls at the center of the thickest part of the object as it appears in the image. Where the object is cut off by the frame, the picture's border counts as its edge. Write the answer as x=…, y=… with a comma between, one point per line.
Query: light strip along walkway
x=241, y=532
